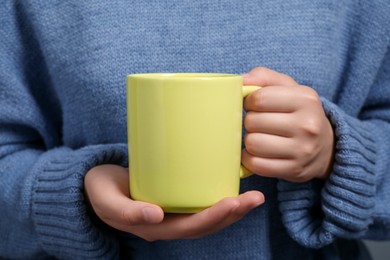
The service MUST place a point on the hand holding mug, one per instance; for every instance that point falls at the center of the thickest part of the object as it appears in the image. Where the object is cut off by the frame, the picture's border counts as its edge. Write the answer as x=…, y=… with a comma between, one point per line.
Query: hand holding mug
x=184, y=151
x=288, y=133
x=107, y=189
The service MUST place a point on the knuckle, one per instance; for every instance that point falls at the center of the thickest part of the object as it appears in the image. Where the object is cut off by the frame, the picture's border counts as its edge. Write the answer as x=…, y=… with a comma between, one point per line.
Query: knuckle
x=310, y=95
x=125, y=217
x=259, y=70
x=290, y=81
x=307, y=150
x=311, y=126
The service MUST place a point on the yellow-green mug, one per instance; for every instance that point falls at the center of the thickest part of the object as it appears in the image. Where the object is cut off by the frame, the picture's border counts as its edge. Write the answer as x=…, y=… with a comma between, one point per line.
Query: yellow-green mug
x=184, y=132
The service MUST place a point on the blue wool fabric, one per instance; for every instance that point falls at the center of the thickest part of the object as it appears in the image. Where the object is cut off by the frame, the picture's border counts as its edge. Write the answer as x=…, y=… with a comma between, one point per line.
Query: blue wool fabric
x=63, y=66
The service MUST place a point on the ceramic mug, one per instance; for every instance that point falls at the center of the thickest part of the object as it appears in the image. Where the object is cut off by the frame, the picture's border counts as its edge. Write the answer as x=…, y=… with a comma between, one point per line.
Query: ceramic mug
x=184, y=132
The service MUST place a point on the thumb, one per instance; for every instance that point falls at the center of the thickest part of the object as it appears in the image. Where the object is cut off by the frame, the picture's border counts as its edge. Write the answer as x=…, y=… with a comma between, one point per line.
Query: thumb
x=114, y=206
x=130, y=212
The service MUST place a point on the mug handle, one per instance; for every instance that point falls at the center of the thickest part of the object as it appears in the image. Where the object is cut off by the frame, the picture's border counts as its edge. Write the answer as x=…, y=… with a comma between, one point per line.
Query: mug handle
x=246, y=90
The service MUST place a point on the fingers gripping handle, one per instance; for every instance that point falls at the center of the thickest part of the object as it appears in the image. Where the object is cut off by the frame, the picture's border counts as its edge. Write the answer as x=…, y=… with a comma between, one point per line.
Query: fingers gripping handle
x=246, y=90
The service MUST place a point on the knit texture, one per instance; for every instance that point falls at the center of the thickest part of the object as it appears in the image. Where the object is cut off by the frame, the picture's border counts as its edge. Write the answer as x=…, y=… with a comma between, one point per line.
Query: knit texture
x=63, y=66
x=59, y=182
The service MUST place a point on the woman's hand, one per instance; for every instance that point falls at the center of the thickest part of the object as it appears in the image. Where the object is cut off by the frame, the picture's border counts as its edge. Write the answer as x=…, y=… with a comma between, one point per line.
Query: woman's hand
x=107, y=188
x=288, y=133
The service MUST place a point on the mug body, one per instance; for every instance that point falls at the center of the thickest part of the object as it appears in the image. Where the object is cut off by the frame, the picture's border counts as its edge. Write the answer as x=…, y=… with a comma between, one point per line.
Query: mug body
x=184, y=134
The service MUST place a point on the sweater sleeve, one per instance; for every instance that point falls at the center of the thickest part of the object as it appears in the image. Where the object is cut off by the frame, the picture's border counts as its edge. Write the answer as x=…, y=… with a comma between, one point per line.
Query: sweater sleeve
x=58, y=207
x=353, y=202
x=42, y=205
x=43, y=209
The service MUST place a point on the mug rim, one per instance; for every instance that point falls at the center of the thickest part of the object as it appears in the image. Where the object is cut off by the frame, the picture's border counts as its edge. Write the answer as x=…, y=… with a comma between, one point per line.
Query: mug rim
x=183, y=75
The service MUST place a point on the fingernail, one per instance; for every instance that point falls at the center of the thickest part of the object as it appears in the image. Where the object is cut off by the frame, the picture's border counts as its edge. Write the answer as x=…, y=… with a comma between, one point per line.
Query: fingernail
x=149, y=215
x=235, y=206
x=260, y=199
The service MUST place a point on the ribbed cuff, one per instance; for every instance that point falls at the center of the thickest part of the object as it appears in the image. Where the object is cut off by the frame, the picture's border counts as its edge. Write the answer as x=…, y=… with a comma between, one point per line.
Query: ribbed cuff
x=316, y=212
x=59, y=208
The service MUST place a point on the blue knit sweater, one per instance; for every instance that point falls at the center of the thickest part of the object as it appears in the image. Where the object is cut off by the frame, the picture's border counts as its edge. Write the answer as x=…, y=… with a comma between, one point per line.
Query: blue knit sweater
x=62, y=111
